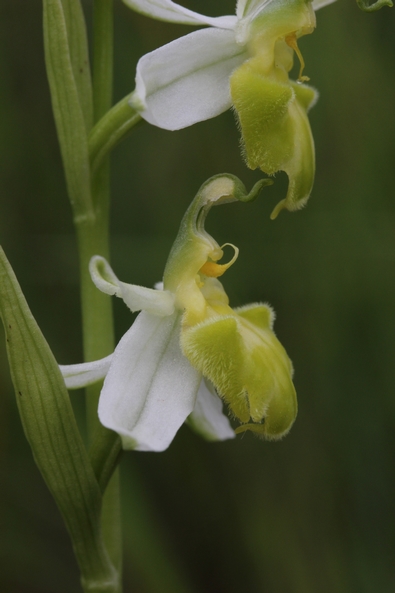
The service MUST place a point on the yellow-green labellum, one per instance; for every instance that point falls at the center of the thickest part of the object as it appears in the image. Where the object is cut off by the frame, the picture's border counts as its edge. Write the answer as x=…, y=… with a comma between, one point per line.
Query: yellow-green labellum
x=248, y=366
x=275, y=129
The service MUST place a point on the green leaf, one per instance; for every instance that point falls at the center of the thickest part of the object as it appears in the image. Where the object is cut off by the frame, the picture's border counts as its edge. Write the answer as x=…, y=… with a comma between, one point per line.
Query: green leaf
x=69, y=81
x=51, y=430
x=79, y=56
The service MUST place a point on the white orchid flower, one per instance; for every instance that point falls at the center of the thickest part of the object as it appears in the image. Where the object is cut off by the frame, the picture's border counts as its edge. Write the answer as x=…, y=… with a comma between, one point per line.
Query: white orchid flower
x=243, y=61
x=188, y=348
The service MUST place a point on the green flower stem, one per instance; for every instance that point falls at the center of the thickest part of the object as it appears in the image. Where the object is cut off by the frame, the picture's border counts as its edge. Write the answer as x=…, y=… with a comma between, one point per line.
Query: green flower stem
x=110, y=130
x=93, y=239
x=97, y=322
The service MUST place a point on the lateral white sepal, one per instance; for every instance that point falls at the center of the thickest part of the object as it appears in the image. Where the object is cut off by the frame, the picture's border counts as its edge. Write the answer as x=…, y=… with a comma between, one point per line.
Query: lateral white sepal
x=80, y=375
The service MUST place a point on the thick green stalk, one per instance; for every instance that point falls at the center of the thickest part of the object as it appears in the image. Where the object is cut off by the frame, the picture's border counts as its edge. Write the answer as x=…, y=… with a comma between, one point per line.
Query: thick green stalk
x=97, y=321
x=98, y=342
x=94, y=240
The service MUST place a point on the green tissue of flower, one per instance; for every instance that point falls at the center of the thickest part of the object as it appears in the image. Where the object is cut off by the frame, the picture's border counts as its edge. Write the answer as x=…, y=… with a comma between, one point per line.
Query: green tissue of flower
x=238, y=351
x=272, y=112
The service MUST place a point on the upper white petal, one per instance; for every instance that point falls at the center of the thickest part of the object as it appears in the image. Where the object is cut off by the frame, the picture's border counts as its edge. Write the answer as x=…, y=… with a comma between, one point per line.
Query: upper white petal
x=187, y=80
x=137, y=298
x=81, y=375
x=151, y=387
x=207, y=418
x=166, y=10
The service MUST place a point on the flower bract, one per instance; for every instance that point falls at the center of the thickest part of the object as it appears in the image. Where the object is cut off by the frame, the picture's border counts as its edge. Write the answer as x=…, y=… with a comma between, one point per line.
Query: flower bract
x=188, y=349
x=241, y=61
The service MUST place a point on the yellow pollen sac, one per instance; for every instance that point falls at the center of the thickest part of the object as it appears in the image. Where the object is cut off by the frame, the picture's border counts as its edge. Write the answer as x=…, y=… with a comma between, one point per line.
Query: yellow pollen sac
x=293, y=44
x=214, y=270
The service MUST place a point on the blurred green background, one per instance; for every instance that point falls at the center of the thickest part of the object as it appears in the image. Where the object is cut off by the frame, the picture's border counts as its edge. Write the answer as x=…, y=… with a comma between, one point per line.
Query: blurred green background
x=314, y=512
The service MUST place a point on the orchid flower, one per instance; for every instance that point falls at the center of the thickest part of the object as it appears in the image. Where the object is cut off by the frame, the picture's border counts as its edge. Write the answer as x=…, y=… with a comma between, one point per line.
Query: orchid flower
x=188, y=349
x=244, y=61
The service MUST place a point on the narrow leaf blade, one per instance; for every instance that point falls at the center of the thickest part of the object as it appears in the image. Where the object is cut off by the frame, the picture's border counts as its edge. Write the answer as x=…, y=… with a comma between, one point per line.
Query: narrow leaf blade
x=79, y=56
x=67, y=107
x=51, y=430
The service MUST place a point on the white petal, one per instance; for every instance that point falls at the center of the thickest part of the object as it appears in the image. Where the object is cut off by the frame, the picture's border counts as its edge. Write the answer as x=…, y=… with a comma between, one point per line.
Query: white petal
x=207, y=418
x=166, y=10
x=187, y=80
x=81, y=375
x=137, y=298
x=317, y=4
x=151, y=387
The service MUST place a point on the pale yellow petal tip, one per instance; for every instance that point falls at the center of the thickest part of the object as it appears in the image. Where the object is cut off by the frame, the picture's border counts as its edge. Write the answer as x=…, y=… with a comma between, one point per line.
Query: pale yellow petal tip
x=261, y=314
x=291, y=205
x=276, y=211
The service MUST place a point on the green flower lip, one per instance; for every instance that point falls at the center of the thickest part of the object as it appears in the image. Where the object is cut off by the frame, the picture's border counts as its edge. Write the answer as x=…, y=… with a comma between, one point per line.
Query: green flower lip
x=249, y=368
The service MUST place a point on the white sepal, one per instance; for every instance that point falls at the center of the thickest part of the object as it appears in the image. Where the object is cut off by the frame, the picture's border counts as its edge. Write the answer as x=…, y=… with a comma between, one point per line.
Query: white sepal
x=137, y=298
x=187, y=80
x=207, y=418
x=166, y=10
x=80, y=375
x=151, y=387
